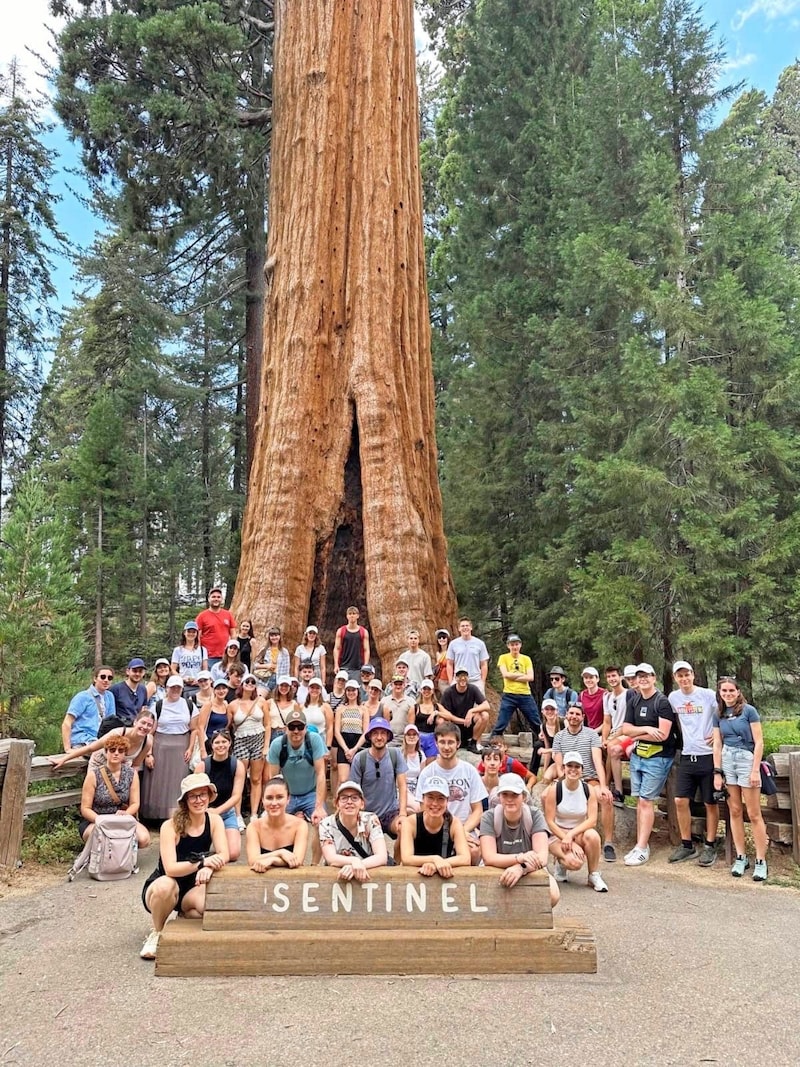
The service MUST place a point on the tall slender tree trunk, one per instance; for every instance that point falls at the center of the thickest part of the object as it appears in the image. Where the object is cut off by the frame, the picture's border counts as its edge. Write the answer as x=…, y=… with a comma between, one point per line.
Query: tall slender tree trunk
x=98, y=601
x=343, y=500
x=5, y=294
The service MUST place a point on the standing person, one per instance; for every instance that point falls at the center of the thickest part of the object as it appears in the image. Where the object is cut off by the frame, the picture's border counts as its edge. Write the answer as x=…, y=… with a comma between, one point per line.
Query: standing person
x=318, y=711
x=280, y=705
x=111, y=789
x=410, y=689
x=381, y=773
x=306, y=674
x=570, y=808
x=336, y=695
x=189, y=657
x=560, y=691
x=247, y=716
x=352, y=839
x=615, y=703
x=374, y=701
x=650, y=721
x=130, y=696
x=738, y=749
x=466, y=790
x=465, y=705
x=157, y=686
x=426, y=715
x=245, y=637
x=87, y=709
x=310, y=648
x=591, y=698
x=440, y=670
x=695, y=708
x=351, y=647
x=172, y=750
x=415, y=759
x=213, y=716
x=226, y=772
x=185, y=862
x=419, y=662
x=433, y=839
x=517, y=672
x=470, y=653
x=542, y=754
x=398, y=707
x=230, y=656
x=277, y=839
x=299, y=757
x=273, y=661
x=350, y=723
x=514, y=837
x=216, y=625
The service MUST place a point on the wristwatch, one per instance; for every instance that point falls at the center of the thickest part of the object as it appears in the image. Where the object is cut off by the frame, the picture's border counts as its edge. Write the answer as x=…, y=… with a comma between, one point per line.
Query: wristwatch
x=523, y=864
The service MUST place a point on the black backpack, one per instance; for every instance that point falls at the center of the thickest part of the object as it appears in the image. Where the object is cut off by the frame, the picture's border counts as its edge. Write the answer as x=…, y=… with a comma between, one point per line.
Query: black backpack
x=560, y=791
x=190, y=701
x=109, y=723
x=308, y=752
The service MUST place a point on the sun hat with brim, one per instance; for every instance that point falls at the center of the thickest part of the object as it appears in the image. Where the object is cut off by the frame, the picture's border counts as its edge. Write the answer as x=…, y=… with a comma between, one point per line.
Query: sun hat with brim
x=549, y=703
x=645, y=668
x=197, y=781
x=436, y=784
x=342, y=676
x=681, y=665
x=378, y=724
x=221, y=683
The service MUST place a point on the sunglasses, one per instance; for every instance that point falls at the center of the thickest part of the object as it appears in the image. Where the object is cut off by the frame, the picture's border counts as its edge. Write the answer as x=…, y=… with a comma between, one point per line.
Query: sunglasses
x=115, y=749
x=295, y=729
x=377, y=769
x=249, y=683
x=106, y=677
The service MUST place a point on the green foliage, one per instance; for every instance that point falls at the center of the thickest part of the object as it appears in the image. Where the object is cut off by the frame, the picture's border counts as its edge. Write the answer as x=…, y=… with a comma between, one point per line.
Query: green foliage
x=51, y=837
x=782, y=732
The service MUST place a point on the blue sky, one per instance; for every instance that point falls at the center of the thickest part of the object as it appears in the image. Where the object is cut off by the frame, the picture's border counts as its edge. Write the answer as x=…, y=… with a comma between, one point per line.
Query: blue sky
x=762, y=37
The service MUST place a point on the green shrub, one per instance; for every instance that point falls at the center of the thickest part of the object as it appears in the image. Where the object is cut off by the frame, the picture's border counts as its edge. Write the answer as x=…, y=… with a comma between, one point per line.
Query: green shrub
x=782, y=732
x=51, y=837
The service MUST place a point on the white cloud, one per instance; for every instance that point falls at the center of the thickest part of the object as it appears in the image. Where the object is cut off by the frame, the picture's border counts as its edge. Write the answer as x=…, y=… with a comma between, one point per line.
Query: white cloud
x=24, y=32
x=770, y=9
x=738, y=62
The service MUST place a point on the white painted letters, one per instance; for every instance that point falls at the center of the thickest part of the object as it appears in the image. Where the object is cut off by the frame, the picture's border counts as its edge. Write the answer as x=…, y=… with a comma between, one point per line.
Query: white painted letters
x=448, y=904
x=281, y=894
x=416, y=894
x=474, y=906
x=342, y=895
x=309, y=901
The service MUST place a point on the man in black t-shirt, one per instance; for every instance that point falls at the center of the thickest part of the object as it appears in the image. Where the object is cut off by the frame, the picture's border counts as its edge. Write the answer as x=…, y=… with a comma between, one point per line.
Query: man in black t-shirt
x=465, y=705
x=650, y=720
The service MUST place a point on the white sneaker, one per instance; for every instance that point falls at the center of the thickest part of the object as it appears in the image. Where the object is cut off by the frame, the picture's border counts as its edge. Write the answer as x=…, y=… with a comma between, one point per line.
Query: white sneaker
x=150, y=946
x=637, y=856
x=240, y=824
x=597, y=883
x=253, y=818
x=559, y=873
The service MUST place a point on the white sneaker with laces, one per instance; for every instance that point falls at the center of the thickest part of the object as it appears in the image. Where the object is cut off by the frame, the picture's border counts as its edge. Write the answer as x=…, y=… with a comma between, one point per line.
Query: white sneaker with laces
x=597, y=883
x=559, y=873
x=637, y=856
x=240, y=824
x=150, y=946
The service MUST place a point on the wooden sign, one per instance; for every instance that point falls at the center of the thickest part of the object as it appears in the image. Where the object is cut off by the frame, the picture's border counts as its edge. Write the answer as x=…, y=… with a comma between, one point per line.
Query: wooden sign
x=308, y=898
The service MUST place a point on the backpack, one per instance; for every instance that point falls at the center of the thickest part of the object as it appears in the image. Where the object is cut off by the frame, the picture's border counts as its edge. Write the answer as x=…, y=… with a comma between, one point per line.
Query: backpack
x=190, y=703
x=111, y=722
x=527, y=820
x=560, y=791
x=308, y=751
x=362, y=762
x=111, y=850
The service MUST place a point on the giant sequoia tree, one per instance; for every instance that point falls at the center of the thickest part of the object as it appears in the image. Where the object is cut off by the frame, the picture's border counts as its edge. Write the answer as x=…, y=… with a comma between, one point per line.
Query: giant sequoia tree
x=344, y=503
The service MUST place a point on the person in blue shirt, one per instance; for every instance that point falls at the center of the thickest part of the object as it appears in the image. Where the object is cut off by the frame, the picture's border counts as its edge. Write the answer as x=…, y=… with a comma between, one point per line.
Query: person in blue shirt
x=86, y=709
x=130, y=696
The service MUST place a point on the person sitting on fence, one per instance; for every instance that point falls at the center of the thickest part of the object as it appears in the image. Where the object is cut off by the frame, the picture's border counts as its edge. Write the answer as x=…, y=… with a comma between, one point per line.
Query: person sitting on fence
x=112, y=789
x=276, y=839
x=570, y=808
x=192, y=846
x=86, y=709
x=140, y=741
x=514, y=836
x=352, y=839
x=433, y=839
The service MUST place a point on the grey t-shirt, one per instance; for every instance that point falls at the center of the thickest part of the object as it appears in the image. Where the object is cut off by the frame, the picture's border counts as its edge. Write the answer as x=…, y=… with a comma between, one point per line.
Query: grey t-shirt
x=513, y=840
x=378, y=781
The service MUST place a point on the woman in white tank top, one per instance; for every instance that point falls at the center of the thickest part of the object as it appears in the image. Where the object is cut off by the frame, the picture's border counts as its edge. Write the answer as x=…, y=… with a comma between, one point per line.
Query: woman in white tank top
x=570, y=807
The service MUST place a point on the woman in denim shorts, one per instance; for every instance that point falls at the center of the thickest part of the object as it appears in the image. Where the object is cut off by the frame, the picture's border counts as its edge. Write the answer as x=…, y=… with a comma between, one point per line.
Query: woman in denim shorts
x=738, y=748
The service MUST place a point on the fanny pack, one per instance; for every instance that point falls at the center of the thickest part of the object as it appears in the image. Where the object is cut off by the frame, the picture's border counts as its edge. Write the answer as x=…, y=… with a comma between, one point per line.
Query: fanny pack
x=646, y=749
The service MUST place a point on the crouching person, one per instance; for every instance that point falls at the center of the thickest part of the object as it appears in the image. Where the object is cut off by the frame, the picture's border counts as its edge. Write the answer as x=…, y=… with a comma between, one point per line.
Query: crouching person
x=514, y=836
x=433, y=839
x=570, y=808
x=193, y=845
x=352, y=839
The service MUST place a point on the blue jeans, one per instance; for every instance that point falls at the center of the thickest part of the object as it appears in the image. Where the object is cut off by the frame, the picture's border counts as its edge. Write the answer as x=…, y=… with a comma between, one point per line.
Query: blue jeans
x=512, y=702
x=302, y=804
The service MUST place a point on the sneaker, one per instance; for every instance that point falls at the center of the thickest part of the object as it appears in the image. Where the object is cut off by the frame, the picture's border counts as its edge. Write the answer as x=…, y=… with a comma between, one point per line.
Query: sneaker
x=597, y=883
x=253, y=818
x=682, y=853
x=609, y=854
x=760, y=871
x=708, y=857
x=618, y=797
x=473, y=746
x=150, y=946
x=637, y=856
x=740, y=865
x=240, y=824
x=559, y=873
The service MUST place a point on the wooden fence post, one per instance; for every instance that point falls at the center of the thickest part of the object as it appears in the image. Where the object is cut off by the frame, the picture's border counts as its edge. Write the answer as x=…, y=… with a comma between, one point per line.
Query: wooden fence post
x=12, y=803
x=794, y=793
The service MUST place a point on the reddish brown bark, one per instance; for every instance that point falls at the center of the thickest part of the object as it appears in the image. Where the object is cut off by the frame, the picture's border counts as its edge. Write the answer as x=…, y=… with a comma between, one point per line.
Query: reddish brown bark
x=344, y=503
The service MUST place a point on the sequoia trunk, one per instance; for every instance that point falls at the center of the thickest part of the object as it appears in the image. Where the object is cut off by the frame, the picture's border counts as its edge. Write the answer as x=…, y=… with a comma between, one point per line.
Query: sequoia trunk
x=343, y=501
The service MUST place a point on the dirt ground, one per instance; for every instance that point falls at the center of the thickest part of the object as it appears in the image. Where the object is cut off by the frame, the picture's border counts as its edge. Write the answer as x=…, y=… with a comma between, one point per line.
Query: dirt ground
x=693, y=967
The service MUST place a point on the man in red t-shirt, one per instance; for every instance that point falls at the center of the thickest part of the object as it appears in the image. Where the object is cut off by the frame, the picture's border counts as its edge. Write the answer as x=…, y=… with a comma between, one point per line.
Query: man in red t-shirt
x=591, y=699
x=216, y=625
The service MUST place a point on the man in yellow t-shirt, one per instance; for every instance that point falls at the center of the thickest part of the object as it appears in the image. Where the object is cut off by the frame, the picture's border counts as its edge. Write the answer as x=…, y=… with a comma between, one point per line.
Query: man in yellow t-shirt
x=517, y=672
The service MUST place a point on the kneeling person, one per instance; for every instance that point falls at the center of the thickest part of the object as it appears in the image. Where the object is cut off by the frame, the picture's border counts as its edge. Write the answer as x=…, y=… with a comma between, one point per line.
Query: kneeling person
x=514, y=836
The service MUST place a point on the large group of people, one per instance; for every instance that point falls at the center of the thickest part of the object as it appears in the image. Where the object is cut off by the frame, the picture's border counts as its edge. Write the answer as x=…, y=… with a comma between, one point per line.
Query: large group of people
x=223, y=719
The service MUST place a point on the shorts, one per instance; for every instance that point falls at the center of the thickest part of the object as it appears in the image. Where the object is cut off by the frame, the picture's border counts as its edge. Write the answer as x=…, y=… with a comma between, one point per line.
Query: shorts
x=351, y=739
x=229, y=819
x=696, y=772
x=303, y=804
x=387, y=820
x=737, y=763
x=648, y=776
x=84, y=824
x=249, y=747
x=184, y=884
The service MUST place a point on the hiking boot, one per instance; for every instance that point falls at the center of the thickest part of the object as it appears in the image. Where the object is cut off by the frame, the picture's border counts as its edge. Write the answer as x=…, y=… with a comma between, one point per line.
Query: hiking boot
x=559, y=873
x=150, y=946
x=682, y=853
x=740, y=865
x=597, y=883
x=637, y=856
x=473, y=746
x=609, y=854
x=760, y=871
x=708, y=857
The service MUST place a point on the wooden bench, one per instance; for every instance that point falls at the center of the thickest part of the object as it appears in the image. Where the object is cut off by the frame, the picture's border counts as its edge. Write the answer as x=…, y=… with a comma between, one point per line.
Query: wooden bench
x=306, y=921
